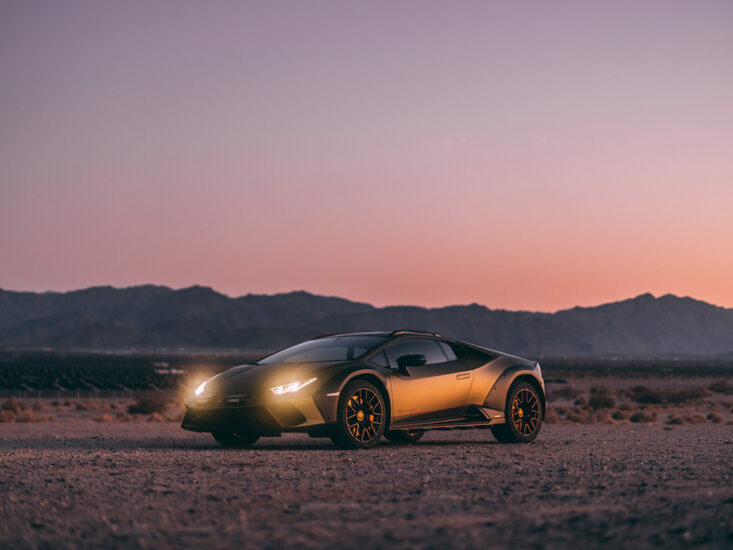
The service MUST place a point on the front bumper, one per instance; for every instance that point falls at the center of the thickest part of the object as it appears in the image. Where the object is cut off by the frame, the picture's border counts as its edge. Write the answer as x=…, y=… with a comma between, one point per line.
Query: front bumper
x=263, y=417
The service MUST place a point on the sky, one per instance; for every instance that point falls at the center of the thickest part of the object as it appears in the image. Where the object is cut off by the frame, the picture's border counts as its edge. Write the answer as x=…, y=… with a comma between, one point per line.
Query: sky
x=520, y=155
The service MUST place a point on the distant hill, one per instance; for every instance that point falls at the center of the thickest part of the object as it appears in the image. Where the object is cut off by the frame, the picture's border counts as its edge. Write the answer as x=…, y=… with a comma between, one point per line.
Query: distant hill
x=156, y=317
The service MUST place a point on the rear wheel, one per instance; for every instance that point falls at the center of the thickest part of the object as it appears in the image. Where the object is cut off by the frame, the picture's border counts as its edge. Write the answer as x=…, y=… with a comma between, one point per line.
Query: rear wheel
x=234, y=439
x=362, y=416
x=404, y=436
x=523, y=414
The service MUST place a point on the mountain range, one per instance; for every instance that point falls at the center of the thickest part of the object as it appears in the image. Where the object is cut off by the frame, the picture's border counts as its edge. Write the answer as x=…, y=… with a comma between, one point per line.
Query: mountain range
x=157, y=317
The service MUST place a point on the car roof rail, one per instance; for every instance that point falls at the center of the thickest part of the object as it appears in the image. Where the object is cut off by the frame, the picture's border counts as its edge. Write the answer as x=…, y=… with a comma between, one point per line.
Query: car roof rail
x=324, y=335
x=410, y=331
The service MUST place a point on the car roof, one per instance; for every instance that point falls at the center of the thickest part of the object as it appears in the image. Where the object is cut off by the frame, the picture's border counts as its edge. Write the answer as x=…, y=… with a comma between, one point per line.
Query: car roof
x=398, y=332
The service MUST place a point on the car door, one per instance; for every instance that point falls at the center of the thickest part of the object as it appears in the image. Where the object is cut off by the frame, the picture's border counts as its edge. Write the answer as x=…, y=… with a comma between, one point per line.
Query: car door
x=438, y=389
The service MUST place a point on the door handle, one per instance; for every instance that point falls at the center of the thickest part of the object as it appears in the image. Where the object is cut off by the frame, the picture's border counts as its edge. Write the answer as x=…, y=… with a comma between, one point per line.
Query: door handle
x=463, y=376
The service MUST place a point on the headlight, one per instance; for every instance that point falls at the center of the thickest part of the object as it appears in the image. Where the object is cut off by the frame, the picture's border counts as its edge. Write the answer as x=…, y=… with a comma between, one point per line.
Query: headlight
x=293, y=386
x=200, y=389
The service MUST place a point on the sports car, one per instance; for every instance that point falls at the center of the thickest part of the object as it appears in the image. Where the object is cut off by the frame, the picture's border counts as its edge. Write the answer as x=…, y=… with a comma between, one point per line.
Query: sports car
x=357, y=387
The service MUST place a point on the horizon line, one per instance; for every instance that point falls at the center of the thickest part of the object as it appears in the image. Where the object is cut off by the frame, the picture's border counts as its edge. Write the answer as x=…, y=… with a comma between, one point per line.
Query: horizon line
x=231, y=297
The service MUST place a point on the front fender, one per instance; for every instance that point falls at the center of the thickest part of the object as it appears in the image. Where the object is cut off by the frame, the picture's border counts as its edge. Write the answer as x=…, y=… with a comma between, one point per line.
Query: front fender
x=327, y=397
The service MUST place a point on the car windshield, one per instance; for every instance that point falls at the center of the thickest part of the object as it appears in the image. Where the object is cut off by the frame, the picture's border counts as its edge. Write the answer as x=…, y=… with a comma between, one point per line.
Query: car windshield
x=332, y=348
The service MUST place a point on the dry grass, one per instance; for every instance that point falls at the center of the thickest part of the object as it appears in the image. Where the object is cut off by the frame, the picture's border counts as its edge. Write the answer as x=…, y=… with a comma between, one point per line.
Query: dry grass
x=643, y=417
x=695, y=419
x=149, y=403
x=600, y=399
x=14, y=405
x=563, y=393
x=157, y=417
x=721, y=386
x=642, y=394
x=123, y=417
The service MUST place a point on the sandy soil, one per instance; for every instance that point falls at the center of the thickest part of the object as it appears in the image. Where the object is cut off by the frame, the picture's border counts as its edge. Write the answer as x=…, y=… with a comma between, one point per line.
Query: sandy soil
x=125, y=485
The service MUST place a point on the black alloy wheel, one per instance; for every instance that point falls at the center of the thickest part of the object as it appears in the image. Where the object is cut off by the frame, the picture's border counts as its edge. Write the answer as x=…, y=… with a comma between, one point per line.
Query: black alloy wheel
x=523, y=415
x=362, y=416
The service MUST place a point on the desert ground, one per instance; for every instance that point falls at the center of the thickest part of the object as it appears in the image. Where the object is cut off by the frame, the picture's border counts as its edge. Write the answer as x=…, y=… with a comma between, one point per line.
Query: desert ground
x=152, y=485
x=622, y=462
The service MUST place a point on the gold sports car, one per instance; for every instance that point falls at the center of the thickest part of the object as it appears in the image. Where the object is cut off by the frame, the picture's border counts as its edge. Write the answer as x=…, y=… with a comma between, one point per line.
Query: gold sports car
x=356, y=388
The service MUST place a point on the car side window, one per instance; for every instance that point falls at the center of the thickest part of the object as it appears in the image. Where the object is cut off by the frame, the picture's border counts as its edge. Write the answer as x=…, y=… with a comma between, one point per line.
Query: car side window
x=380, y=359
x=448, y=350
x=415, y=346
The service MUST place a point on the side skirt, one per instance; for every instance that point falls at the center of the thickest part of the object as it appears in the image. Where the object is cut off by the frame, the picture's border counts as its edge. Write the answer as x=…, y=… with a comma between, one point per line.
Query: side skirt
x=476, y=418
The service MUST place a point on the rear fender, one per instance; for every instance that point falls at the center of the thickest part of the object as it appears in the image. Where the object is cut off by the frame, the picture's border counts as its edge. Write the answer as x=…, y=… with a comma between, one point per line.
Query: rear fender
x=496, y=399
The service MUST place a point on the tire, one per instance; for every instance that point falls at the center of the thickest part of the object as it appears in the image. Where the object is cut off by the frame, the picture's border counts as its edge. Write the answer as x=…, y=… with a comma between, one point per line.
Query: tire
x=404, y=436
x=233, y=439
x=362, y=416
x=523, y=415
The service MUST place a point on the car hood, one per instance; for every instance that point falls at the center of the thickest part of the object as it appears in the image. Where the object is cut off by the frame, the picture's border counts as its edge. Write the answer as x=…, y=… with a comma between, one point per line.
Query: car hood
x=250, y=379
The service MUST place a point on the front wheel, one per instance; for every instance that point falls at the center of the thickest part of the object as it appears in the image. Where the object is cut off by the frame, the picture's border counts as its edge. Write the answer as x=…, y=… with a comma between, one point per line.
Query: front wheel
x=362, y=416
x=523, y=415
x=233, y=439
x=404, y=436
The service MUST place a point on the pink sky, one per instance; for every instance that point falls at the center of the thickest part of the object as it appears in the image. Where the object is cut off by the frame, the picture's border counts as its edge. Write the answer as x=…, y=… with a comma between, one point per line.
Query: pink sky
x=529, y=155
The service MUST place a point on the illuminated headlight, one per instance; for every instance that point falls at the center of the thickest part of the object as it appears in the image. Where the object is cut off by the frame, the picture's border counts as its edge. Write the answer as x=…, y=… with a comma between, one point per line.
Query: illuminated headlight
x=200, y=389
x=293, y=386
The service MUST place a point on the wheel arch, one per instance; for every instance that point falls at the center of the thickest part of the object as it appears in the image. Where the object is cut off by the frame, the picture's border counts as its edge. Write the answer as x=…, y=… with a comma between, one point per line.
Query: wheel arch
x=379, y=384
x=532, y=381
x=496, y=398
x=327, y=401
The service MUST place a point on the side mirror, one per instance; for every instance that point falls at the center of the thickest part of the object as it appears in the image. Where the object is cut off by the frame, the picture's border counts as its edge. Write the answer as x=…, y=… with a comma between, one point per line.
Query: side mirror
x=413, y=360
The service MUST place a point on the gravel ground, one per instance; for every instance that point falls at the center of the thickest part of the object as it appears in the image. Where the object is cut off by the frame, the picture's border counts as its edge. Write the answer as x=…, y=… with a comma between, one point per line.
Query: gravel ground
x=91, y=485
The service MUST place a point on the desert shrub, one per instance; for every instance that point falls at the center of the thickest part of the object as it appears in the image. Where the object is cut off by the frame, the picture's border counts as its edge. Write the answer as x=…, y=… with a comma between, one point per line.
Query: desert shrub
x=599, y=399
x=38, y=406
x=14, y=405
x=695, y=419
x=178, y=417
x=68, y=403
x=149, y=403
x=642, y=394
x=674, y=421
x=715, y=418
x=580, y=402
x=601, y=402
x=620, y=415
x=643, y=417
x=721, y=386
x=103, y=418
x=122, y=417
x=564, y=393
x=552, y=417
x=25, y=416
x=157, y=417
x=7, y=416
x=88, y=405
